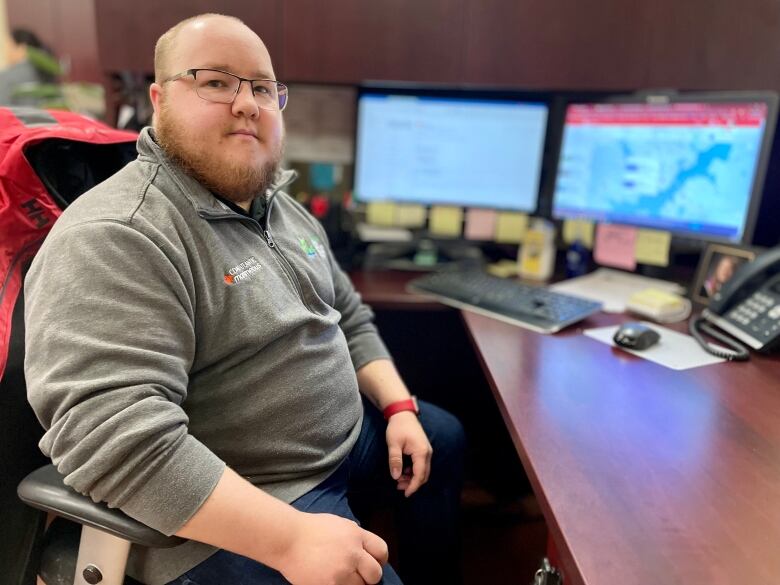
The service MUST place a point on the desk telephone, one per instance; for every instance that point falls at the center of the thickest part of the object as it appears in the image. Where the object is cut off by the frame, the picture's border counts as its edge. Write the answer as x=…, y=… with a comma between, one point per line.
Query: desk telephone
x=747, y=308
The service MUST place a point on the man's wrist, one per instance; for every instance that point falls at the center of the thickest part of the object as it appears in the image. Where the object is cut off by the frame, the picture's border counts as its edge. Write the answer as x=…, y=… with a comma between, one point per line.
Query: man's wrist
x=406, y=405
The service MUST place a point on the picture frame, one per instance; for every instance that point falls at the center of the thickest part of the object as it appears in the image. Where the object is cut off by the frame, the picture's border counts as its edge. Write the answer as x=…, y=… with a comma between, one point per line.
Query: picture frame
x=716, y=267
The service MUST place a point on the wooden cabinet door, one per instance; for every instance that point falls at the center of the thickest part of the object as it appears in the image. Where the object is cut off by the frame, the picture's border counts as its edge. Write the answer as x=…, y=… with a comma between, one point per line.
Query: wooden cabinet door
x=556, y=44
x=128, y=31
x=348, y=41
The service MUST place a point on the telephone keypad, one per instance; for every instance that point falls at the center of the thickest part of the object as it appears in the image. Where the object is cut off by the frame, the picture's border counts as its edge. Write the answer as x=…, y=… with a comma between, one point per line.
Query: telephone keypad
x=759, y=315
x=750, y=307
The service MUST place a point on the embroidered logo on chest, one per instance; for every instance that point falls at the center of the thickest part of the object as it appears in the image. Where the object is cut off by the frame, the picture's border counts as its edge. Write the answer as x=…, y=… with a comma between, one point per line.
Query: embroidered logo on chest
x=311, y=246
x=243, y=271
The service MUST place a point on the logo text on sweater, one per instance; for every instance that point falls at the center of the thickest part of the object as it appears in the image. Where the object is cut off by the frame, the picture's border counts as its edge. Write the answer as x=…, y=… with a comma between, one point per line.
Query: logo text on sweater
x=242, y=271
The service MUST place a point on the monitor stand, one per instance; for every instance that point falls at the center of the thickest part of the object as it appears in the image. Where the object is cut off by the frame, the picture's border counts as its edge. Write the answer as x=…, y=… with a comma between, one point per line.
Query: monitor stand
x=421, y=255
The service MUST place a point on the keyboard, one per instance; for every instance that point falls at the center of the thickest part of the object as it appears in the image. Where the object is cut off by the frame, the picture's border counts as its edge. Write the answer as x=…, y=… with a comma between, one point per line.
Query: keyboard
x=532, y=307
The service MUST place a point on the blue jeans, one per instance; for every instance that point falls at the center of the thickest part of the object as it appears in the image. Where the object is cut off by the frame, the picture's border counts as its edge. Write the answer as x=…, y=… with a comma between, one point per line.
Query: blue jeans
x=427, y=522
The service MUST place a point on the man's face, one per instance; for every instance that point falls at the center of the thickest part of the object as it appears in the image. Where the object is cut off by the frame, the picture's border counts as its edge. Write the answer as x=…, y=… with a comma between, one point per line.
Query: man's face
x=233, y=149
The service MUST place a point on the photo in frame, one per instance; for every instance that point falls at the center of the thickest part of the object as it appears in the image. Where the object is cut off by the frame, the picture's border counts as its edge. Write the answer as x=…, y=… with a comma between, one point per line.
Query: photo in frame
x=718, y=264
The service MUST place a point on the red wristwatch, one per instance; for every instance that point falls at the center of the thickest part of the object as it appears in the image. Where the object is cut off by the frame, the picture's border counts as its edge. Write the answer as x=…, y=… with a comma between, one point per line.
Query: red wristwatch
x=401, y=406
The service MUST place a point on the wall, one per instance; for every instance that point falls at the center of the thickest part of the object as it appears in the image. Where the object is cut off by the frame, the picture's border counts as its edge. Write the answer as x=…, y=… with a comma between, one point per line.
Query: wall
x=3, y=28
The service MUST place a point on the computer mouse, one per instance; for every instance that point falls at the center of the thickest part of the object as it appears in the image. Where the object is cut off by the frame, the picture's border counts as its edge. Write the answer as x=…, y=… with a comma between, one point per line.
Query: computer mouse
x=636, y=336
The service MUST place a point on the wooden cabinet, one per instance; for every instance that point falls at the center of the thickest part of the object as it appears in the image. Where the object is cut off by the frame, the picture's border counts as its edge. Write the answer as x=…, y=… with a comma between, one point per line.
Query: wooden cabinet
x=348, y=41
x=128, y=31
x=700, y=44
x=623, y=44
x=555, y=44
x=550, y=44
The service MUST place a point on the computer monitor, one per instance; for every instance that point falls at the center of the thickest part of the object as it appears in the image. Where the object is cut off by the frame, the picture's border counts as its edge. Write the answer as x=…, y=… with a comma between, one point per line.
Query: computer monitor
x=449, y=147
x=690, y=164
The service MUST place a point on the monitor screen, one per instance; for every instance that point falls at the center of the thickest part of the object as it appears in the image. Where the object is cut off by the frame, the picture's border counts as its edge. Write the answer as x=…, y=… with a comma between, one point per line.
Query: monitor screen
x=459, y=149
x=692, y=167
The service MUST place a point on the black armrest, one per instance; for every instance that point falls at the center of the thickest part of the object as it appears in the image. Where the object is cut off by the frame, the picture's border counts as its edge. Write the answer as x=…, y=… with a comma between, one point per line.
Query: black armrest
x=45, y=490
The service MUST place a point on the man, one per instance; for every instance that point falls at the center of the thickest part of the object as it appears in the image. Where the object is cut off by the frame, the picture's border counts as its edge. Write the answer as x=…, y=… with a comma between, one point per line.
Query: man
x=195, y=353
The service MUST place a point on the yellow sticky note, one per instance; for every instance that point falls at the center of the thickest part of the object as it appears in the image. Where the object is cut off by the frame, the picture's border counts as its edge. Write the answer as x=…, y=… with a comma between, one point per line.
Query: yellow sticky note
x=381, y=213
x=510, y=227
x=446, y=221
x=411, y=215
x=578, y=229
x=652, y=247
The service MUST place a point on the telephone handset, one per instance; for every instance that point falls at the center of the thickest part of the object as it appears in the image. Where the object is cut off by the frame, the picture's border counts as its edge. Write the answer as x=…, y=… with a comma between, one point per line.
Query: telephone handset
x=747, y=307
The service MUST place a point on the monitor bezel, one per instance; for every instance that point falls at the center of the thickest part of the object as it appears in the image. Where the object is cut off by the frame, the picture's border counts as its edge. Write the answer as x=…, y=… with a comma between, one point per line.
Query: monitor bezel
x=543, y=98
x=697, y=239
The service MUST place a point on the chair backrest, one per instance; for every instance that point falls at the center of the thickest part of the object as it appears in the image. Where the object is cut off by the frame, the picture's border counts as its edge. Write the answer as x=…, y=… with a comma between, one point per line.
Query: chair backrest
x=21, y=526
x=63, y=160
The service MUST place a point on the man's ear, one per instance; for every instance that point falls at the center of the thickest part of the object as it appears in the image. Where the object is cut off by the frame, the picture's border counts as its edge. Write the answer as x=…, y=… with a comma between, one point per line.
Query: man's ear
x=155, y=95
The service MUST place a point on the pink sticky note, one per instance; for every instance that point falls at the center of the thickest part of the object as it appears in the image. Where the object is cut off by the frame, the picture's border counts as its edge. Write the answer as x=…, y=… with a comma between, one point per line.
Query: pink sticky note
x=480, y=224
x=615, y=246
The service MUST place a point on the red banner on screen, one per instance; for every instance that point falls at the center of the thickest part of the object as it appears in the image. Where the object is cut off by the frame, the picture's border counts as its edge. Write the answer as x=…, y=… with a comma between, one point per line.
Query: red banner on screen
x=701, y=114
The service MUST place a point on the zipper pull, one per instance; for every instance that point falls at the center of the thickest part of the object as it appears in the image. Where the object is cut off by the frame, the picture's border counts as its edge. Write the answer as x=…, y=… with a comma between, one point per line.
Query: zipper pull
x=269, y=239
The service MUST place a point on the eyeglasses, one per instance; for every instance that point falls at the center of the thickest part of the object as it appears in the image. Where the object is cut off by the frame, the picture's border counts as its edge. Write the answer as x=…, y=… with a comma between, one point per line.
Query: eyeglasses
x=222, y=87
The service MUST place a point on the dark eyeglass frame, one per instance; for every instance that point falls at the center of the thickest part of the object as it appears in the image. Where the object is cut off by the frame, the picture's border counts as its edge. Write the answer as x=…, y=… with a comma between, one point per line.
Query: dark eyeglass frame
x=281, y=88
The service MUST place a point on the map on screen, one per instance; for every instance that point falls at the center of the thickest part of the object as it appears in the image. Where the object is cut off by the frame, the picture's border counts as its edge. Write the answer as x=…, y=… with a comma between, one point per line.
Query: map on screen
x=685, y=167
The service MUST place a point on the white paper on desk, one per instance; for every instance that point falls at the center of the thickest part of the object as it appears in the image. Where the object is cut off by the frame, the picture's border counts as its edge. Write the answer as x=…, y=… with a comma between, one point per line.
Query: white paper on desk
x=674, y=350
x=612, y=287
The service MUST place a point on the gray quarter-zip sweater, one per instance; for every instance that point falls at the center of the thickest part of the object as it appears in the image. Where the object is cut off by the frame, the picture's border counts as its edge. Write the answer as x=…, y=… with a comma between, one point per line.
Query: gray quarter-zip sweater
x=168, y=335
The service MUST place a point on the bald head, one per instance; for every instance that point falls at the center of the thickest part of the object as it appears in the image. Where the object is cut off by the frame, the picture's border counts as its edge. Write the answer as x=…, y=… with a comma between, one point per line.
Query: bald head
x=174, y=42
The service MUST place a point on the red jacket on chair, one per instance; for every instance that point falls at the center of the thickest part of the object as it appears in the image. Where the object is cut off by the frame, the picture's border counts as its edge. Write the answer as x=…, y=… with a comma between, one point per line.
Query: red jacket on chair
x=27, y=209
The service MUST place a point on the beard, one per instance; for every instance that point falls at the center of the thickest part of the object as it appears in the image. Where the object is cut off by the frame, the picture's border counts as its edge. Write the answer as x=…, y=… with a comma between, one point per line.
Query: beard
x=230, y=180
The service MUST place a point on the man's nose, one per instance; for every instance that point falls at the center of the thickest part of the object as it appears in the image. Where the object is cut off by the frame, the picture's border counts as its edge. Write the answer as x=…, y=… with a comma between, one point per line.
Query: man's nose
x=244, y=102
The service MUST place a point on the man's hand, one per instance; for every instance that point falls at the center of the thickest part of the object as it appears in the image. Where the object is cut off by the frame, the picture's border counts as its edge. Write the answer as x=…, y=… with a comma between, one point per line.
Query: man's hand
x=330, y=550
x=380, y=382
x=405, y=436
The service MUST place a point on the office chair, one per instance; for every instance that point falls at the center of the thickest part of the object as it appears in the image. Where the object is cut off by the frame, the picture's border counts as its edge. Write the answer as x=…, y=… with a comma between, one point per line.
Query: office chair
x=105, y=534
x=66, y=168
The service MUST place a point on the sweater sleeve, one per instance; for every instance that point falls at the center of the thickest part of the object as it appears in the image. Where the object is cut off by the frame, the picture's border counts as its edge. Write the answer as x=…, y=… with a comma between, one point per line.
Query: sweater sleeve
x=109, y=343
x=357, y=318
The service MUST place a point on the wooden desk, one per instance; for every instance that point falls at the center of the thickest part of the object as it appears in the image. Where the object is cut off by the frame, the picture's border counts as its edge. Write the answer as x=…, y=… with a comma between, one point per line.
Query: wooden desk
x=645, y=475
x=387, y=290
